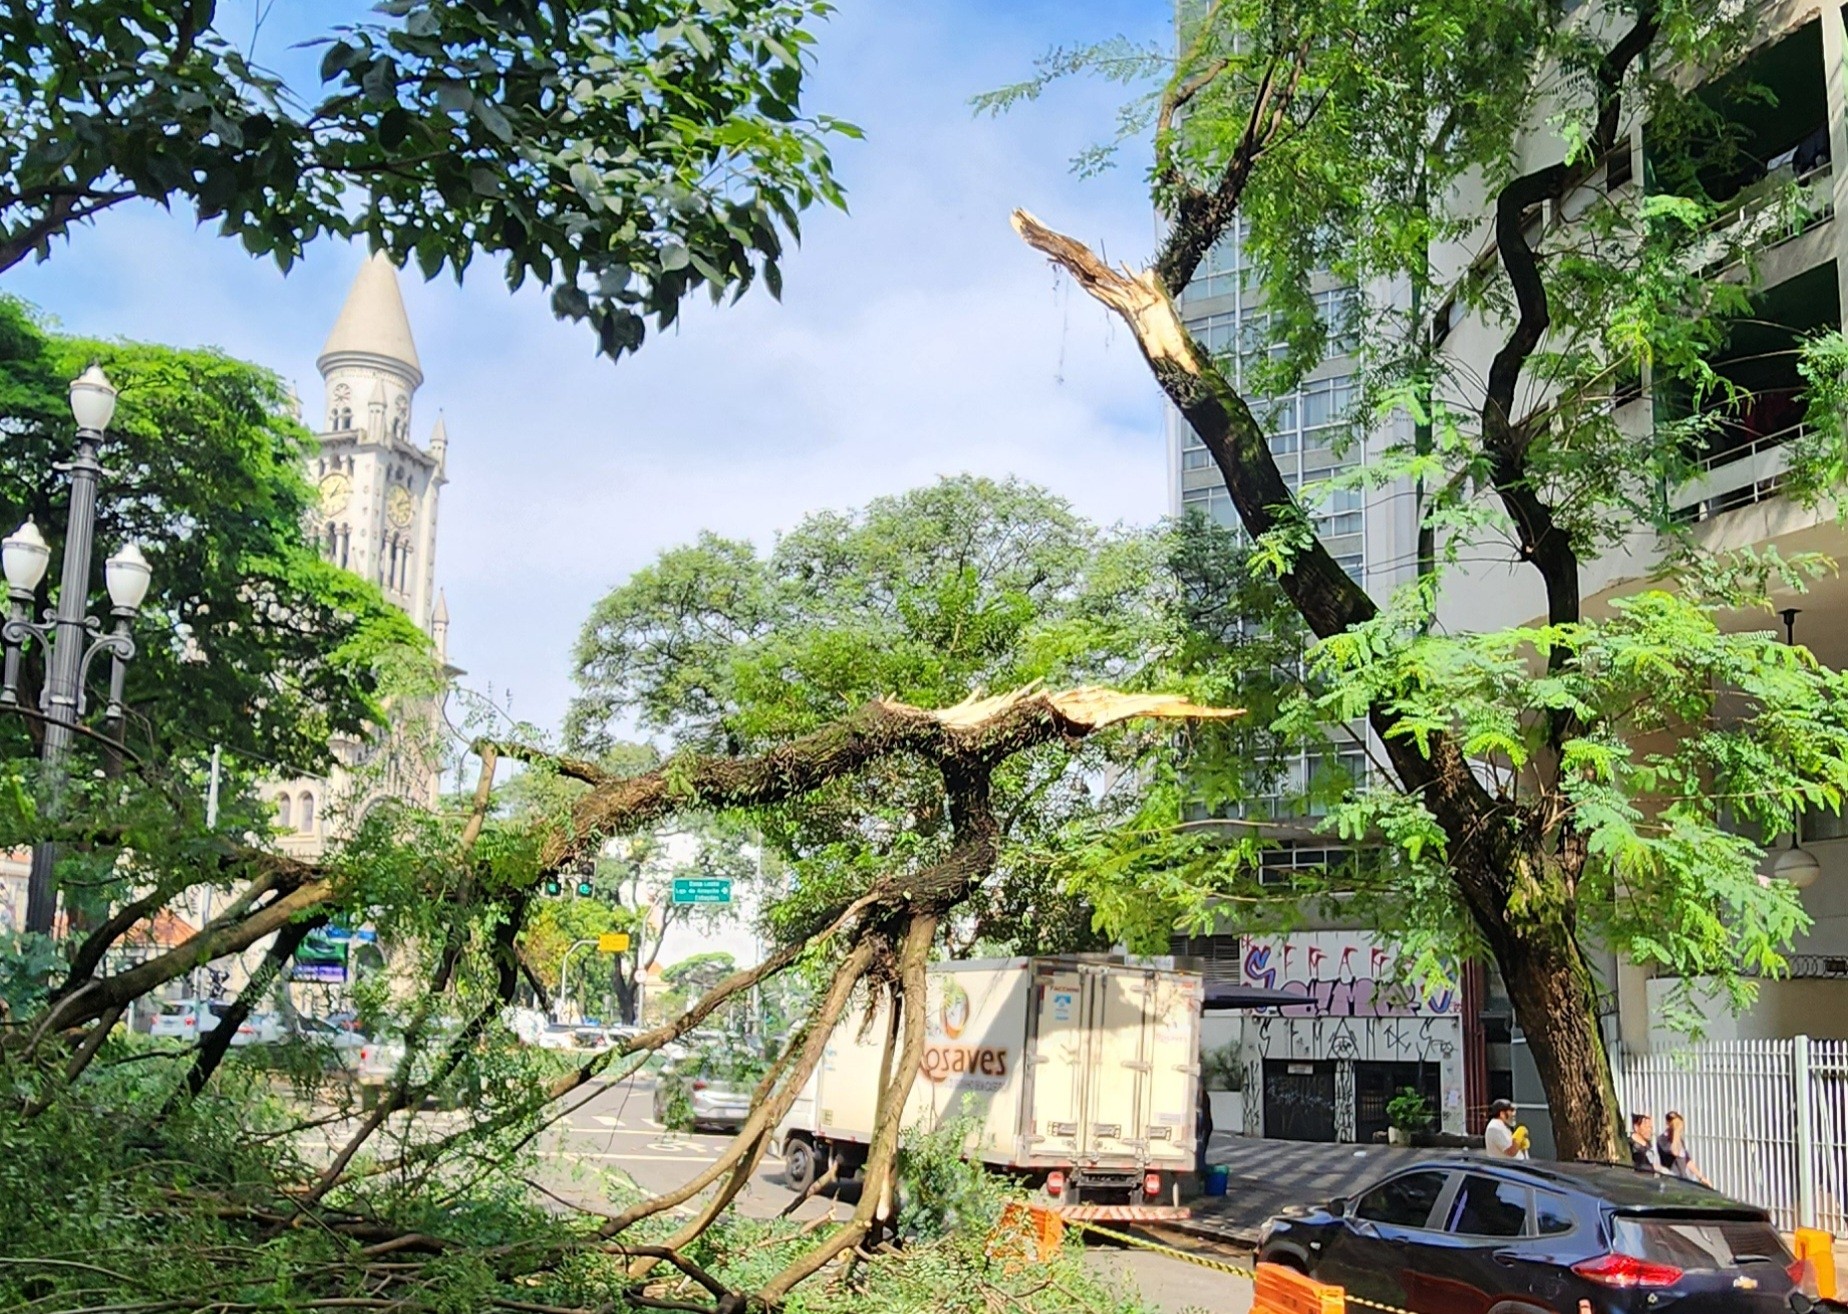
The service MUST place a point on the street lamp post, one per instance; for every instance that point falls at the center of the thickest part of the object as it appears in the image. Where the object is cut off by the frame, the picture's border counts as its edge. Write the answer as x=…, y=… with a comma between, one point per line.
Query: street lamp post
x=69, y=637
x=564, y=966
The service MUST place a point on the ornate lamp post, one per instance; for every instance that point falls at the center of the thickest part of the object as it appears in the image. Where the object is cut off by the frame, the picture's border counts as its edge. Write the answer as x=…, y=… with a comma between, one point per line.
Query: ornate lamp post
x=69, y=639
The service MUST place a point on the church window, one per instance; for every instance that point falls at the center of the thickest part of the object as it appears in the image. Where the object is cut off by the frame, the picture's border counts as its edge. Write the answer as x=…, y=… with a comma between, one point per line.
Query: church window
x=283, y=810
x=307, y=813
x=333, y=541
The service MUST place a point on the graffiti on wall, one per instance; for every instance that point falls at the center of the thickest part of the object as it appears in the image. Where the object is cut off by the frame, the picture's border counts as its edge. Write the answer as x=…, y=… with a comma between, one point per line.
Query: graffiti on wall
x=1339, y=974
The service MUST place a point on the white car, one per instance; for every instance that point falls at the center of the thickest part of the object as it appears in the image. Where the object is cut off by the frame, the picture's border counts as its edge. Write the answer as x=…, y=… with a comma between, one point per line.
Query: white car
x=558, y=1037
x=340, y=1044
x=187, y=1019
x=259, y=1029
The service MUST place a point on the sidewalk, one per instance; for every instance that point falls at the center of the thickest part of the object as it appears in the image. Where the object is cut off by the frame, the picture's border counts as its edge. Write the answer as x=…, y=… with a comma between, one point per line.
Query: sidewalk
x=1268, y=1175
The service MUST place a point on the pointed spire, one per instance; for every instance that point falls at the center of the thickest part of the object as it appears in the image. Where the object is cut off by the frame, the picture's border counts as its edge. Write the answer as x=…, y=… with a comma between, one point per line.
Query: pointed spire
x=439, y=438
x=372, y=323
x=439, y=626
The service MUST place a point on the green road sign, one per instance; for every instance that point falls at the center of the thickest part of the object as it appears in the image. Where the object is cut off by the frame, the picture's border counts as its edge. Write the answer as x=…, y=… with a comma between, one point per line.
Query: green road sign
x=702, y=889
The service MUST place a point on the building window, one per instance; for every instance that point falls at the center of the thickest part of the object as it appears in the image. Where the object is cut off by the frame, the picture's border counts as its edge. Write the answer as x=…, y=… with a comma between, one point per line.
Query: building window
x=284, y=811
x=307, y=814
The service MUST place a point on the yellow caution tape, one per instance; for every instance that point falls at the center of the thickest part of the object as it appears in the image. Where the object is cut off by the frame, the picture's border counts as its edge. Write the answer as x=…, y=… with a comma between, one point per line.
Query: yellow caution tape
x=1219, y=1265
x=1142, y=1243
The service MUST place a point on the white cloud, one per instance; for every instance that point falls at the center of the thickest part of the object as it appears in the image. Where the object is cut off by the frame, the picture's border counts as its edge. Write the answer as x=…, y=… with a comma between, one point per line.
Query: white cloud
x=918, y=337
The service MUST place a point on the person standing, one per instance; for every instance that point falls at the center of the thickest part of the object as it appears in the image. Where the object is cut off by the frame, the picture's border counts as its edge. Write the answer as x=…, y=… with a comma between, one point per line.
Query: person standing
x=1501, y=1138
x=1672, y=1150
x=1642, y=1144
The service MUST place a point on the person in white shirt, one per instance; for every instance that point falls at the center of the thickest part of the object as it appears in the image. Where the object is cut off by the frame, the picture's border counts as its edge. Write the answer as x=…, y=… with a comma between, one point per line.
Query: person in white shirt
x=1501, y=1138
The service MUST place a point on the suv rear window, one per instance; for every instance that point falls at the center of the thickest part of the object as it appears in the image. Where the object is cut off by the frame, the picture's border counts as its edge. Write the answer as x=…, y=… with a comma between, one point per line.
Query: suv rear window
x=175, y=1010
x=1402, y=1202
x=1697, y=1244
x=1486, y=1207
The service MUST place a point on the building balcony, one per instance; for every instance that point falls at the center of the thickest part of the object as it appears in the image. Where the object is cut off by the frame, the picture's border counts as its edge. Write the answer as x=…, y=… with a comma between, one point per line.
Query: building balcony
x=1768, y=219
x=1737, y=477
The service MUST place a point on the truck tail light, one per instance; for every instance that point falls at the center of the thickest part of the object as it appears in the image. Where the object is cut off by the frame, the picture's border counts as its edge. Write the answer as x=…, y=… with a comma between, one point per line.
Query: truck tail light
x=1055, y=1183
x=1627, y=1271
x=1151, y=1184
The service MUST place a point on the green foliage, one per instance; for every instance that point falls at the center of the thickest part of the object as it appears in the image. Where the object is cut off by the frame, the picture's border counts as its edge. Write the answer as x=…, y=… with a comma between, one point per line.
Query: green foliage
x=698, y=973
x=248, y=637
x=625, y=157
x=965, y=585
x=1409, y=1111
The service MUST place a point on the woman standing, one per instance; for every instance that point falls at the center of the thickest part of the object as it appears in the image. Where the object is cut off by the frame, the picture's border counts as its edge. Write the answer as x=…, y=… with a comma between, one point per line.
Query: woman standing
x=1672, y=1150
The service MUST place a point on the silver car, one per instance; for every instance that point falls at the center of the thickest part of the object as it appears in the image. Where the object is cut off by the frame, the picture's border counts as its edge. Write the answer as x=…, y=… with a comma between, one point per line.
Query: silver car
x=715, y=1101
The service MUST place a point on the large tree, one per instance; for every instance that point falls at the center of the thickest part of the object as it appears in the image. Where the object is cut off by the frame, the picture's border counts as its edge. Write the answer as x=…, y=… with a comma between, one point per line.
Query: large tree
x=623, y=156
x=1576, y=783
x=965, y=583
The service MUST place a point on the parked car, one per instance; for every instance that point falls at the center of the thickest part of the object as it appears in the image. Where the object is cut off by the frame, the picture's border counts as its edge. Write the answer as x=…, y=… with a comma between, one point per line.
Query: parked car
x=379, y=1058
x=716, y=1088
x=340, y=1044
x=257, y=1029
x=187, y=1019
x=1465, y=1235
x=558, y=1036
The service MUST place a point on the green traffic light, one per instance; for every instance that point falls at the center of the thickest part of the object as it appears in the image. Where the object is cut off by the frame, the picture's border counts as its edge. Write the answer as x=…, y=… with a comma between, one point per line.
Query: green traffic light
x=553, y=888
x=584, y=889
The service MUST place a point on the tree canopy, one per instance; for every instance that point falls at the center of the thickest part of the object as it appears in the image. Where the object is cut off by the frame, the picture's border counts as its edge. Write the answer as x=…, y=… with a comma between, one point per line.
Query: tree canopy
x=622, y=156
x=967, y=583
x=248, y=637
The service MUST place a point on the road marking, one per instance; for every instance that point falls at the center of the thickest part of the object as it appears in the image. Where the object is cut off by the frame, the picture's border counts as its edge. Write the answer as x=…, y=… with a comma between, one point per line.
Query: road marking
x=606, y=1120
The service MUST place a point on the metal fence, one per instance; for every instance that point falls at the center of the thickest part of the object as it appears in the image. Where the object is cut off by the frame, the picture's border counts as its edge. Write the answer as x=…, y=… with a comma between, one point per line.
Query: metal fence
x=1767, y=1119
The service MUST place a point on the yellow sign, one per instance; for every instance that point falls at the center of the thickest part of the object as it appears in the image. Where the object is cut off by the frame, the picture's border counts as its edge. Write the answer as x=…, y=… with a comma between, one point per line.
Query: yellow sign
x=612, y=942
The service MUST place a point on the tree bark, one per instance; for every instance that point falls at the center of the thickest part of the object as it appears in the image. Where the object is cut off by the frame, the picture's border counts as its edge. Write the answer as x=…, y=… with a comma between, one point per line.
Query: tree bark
x=1555, y=1002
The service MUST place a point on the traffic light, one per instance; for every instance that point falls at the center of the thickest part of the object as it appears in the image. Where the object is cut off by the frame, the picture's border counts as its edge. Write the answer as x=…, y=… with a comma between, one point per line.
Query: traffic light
x=552, y=888
x=584, y=887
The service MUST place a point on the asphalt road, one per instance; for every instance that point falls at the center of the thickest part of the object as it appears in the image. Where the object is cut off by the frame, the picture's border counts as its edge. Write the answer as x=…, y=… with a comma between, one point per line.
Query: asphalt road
x=614, y=1134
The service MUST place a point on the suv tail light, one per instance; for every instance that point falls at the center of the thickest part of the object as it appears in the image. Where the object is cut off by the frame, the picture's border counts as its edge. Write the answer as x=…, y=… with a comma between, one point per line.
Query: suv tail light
x=699, y=1083
x=1151, y=1183
x=1627, y=1271
x=1055, y=1183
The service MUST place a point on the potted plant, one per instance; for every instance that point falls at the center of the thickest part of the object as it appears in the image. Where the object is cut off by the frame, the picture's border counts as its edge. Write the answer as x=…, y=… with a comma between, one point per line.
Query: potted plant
x=1407, y=1114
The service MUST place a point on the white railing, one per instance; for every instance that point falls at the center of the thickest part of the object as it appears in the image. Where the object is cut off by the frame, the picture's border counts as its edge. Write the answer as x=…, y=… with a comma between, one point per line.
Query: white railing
x=1767, y=1120
x=1769, y=214
x=1736, y=477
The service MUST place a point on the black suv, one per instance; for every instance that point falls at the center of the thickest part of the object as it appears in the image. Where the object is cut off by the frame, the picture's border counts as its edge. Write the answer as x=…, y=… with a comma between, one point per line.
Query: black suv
x=1474, y=1236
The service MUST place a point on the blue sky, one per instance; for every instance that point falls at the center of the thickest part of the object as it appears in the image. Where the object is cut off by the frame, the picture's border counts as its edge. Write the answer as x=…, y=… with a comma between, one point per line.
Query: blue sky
x=916, y=337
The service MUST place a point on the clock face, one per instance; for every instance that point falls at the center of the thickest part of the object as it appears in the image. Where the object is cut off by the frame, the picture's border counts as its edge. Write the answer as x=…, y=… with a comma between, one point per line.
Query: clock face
x=399, y=507
x=336, y=490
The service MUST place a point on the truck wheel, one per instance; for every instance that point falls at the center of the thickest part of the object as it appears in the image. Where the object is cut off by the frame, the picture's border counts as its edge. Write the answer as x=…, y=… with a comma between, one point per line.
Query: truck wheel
x=798, y=1166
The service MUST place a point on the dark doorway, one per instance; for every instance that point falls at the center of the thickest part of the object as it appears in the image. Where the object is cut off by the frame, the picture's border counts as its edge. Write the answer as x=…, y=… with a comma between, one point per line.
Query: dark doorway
x=1376, y=1083
x=1299, y=1100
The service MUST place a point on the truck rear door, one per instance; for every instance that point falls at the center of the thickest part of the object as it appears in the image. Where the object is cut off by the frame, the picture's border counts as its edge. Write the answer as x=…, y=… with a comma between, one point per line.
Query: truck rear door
x=1055, y=1116
x=1173, y=1049
x=1117, y=1079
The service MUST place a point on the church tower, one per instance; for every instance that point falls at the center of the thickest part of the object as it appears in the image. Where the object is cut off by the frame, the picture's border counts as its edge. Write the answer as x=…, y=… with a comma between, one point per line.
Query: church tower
x=378, y=488
x=377, y=518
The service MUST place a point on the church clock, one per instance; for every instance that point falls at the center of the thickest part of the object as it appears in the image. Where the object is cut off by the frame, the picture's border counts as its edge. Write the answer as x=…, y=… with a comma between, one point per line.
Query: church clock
x=336, y=491
x=399, y=507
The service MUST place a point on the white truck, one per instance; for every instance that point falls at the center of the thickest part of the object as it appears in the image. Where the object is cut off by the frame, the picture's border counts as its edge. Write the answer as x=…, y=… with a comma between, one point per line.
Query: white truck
x=1079, y=1076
